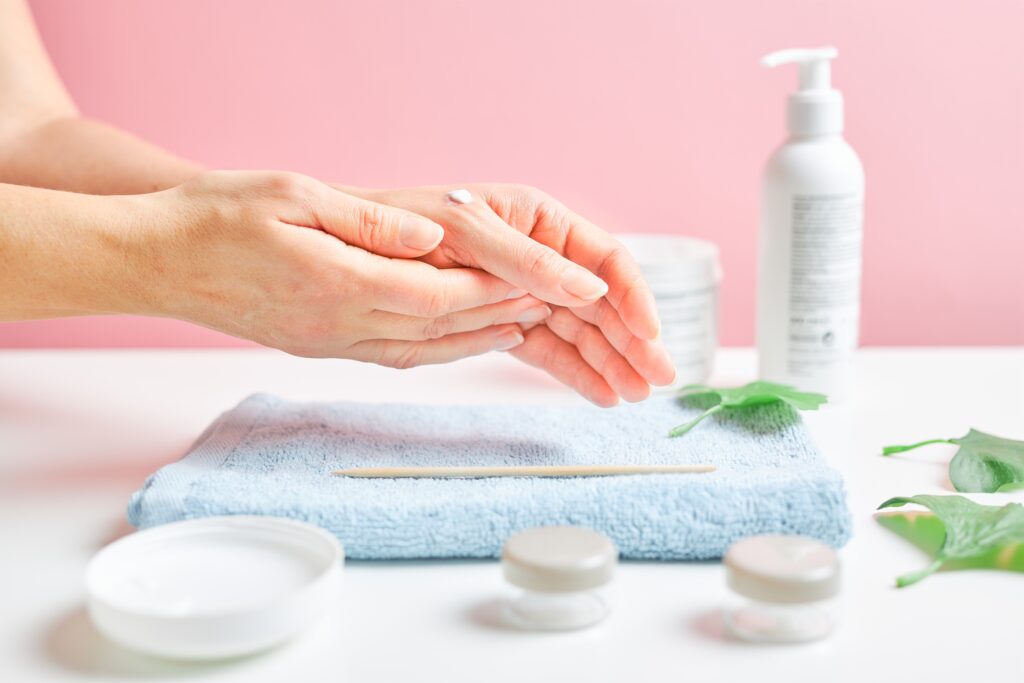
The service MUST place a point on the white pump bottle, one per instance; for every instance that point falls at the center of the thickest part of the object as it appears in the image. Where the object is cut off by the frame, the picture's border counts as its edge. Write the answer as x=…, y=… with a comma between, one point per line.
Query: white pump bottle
x=809, y=265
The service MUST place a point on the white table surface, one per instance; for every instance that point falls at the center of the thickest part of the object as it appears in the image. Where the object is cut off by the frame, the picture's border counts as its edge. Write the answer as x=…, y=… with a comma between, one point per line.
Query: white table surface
x=80, y=430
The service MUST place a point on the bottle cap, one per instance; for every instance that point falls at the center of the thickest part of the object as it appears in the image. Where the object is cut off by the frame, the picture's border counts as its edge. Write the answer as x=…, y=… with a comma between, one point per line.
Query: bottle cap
x=782, y=569
x=816, y=108
x=556, y=559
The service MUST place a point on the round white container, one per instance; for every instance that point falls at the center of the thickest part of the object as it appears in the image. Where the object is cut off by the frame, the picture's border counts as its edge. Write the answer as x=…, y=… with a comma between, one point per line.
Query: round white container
x=556, y=577
x=784, y=589
x=684, y=274
x=213, y=588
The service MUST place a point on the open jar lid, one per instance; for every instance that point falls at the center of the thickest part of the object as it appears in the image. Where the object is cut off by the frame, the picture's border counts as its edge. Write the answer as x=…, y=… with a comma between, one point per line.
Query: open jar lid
x=214, y=587
x=782, y=569
x=556, y=559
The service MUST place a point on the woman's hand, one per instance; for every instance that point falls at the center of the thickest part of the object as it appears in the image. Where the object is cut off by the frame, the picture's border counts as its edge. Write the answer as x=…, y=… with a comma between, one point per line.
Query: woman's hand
x=294, y=264
x=602, y=338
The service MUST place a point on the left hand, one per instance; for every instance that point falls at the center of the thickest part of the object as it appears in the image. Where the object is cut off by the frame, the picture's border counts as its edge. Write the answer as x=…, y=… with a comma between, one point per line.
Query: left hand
x=602, y=336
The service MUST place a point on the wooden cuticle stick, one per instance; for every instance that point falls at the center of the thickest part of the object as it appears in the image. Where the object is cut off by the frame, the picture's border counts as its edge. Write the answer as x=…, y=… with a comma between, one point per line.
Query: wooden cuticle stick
x=520, y=471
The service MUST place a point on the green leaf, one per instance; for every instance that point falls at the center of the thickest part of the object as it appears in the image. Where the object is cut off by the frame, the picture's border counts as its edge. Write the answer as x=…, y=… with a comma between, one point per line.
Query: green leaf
x=753, y=394
x=959, y=534
x=983, y=464
x=889, y=450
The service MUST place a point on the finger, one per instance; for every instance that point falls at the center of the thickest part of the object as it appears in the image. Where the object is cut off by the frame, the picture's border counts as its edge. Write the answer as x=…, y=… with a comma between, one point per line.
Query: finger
x=416, y=288
x=378, y=228
x=407, y=354
x=600, y=355
x=593, y=248
x=525, y=310
x=543, y=349
x=648, y=357
x=477, y=232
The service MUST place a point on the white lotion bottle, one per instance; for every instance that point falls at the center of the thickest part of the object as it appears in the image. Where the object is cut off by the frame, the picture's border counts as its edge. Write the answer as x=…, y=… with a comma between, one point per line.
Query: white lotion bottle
x=809, y=263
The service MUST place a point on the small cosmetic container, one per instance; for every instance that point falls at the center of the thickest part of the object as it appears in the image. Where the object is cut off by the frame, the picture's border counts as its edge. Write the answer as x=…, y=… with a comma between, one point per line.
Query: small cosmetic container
x=556, y=576
x=684, y=275
x=784, y=589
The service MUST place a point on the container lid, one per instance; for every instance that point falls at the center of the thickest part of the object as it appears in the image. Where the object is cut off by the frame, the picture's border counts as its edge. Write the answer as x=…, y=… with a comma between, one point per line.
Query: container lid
x=673, y=260
x=555, y=559
x=782, y=569
x=152, y=590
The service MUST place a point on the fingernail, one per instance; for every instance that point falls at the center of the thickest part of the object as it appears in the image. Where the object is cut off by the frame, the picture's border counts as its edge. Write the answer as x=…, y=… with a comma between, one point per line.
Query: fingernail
x=534, y=315
x=419, y=233
x=508, y=340
x=584, y=285
x=515, y=294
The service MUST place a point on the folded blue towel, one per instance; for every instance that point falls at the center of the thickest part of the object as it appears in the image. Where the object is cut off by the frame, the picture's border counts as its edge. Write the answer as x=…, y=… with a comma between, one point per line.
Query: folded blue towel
x=274, y=457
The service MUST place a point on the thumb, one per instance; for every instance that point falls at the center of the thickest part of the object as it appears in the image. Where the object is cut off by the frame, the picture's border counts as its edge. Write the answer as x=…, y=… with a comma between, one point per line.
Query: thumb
x=377, y=228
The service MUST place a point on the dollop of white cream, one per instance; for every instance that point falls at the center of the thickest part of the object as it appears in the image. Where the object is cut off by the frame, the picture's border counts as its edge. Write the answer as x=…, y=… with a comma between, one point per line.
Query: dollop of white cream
x=459, y=196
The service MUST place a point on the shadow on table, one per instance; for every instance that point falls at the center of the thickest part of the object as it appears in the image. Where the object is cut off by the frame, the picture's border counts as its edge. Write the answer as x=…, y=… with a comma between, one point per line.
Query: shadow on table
x=73, y=643
x=488, y=615
x=710, y=625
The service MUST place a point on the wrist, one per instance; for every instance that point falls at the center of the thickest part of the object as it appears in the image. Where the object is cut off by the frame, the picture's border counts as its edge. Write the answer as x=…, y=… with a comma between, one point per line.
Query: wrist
x=140, y=246
x=106, y=260
x=102, y=262
x=63, y=253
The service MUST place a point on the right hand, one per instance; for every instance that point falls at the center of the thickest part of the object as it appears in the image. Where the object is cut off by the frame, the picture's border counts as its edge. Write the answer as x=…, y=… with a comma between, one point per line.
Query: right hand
x=602, y=338
x=291, y=263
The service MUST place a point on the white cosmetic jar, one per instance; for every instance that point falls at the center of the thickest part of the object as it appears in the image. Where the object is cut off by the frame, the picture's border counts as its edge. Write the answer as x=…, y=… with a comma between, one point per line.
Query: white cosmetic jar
x=783, y=589
x=213, y=588
x=556, y=576
x=684, y=274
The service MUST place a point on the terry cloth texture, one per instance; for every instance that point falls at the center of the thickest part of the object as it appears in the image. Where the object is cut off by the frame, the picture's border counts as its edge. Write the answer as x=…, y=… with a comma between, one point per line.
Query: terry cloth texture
x=270, y=456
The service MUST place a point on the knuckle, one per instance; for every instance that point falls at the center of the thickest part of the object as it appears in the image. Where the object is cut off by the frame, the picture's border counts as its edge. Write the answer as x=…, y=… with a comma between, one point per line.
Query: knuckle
x=551, y=358
x=603, y=314
x=529, y=194
x=539, y=259
x=434, y=303
x=520, y=204
x=289, y=186
x=372, y=220
x=537, y=204
x=616, y=255
x=619, y=254
x=566, y=326
x=436, y=328
x=408, y=357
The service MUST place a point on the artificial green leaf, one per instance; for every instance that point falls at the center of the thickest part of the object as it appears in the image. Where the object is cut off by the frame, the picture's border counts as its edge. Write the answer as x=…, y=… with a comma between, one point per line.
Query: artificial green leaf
x=983, y=464
x=960, y=534
x=753, y=394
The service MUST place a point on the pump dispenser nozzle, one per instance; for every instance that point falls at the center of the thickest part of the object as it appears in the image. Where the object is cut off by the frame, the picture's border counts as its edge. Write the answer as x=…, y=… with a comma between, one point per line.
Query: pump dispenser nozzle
x=816, y=108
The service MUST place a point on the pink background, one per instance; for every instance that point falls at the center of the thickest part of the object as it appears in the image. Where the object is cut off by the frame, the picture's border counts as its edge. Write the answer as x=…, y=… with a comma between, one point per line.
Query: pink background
x=650, y=116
